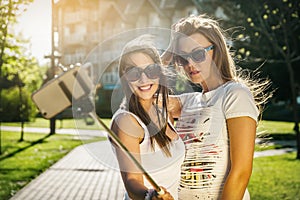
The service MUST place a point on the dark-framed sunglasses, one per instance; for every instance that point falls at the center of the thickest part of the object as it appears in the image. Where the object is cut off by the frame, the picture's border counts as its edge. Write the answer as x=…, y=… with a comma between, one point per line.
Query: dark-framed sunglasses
x=152, y=71
x=197, y=55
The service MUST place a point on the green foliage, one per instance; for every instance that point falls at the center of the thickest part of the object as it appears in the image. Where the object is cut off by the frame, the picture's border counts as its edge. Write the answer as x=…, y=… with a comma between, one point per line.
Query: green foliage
x=14, y=110
x=9, y=11
x=261, y=29
x=272, y=35
x=25, y=76
x=19, y=71
x=20, y=68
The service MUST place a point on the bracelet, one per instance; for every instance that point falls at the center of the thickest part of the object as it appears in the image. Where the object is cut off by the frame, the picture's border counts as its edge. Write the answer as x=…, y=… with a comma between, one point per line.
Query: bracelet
x=150, y=193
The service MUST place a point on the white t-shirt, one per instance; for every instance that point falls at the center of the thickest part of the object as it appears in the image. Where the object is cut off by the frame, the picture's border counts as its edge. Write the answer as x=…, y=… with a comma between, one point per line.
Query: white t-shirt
x=202, y=126
x=164, y=170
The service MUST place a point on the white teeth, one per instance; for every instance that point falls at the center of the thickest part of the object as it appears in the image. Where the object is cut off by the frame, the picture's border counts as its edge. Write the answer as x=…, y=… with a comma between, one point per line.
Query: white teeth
x=147, y=87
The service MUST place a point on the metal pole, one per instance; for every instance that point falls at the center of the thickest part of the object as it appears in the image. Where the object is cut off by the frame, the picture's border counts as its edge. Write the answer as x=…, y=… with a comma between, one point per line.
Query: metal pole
x=52, y=58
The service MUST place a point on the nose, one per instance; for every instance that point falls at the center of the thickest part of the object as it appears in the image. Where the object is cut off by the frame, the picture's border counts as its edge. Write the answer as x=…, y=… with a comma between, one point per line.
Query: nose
x=143, y=77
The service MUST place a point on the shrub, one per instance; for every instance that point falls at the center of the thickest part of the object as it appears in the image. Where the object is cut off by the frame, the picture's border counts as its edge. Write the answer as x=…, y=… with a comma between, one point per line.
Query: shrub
x=13, y=111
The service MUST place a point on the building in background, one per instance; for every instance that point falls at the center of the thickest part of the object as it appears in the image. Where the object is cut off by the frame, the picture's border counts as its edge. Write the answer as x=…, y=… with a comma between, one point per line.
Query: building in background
x=87, y=31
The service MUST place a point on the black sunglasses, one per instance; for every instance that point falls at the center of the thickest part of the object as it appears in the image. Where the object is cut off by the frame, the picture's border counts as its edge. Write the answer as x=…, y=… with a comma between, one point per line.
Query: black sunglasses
x=197, y=55
x=152, y=71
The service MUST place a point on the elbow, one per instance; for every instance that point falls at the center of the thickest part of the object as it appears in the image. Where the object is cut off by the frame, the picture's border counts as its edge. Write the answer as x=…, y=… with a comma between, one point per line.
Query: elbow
x=242, y=174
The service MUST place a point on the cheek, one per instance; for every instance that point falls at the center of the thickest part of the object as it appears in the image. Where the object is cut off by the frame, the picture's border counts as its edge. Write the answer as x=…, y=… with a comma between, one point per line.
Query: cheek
x=155, y=85
x=186, y=71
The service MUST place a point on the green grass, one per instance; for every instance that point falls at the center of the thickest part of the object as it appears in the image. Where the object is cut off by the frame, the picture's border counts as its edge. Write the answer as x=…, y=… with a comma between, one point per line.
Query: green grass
x=276, y=126
x=276, y=130
x=66, y=123
x=21, y=162
x=275, y=178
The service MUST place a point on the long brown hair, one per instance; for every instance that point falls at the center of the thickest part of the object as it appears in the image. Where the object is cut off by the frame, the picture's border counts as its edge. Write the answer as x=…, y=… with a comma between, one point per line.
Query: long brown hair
x=132, y=103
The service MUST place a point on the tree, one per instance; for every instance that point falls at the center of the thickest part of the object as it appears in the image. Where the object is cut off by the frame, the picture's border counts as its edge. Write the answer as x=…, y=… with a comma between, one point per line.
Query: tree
x=273, y=32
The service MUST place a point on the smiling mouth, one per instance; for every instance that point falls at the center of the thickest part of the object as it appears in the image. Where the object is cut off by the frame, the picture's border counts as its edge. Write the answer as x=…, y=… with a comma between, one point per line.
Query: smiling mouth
x=145, y=88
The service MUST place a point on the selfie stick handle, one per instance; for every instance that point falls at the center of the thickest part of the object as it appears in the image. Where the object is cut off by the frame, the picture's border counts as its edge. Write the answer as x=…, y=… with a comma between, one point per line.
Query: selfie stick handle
x=124, y=148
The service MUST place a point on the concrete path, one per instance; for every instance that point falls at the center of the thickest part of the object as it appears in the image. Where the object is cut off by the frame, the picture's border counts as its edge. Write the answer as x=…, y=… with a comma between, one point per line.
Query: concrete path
x=273, y=152
x=79, y=175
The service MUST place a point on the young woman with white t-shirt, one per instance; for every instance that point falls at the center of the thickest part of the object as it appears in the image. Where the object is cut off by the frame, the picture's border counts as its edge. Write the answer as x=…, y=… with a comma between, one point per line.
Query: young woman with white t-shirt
x=217, y=125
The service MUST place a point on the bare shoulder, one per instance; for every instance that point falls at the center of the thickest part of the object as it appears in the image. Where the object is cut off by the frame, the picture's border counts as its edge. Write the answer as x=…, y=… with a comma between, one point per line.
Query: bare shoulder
x=127, y=123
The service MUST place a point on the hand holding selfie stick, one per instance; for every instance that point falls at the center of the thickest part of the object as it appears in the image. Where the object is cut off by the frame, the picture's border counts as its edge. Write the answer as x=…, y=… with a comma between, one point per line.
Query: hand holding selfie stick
x=124, y=149
x=88, y=107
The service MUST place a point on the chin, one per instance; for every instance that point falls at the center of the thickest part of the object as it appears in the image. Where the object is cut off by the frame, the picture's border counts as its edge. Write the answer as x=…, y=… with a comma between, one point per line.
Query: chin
x=146, y=97
x=196, y=80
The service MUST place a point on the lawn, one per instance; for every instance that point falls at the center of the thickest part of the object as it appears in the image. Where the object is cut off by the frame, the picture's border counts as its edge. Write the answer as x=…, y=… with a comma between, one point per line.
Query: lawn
x=276, y=130
x=275, y=178
x=21, y=162
x=65, y=123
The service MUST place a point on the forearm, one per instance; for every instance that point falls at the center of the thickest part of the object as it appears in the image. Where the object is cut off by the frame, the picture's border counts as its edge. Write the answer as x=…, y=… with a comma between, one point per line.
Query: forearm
x=241, y=132
x=235, y=185
x=135, y=189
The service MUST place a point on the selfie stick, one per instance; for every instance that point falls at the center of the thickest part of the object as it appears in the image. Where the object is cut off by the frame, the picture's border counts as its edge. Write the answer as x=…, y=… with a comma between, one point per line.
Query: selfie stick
x=121, y=145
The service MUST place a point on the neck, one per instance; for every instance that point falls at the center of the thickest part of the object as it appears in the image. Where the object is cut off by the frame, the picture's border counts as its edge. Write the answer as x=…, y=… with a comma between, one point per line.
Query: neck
x=147, y=104
x=211, y=85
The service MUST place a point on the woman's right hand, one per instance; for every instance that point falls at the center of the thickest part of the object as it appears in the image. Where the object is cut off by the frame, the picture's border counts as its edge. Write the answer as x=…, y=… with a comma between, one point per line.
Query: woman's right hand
x=165, y=196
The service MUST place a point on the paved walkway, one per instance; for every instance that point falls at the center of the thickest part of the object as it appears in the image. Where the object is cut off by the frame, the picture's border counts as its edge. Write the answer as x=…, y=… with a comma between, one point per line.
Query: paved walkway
x=87, y=172
x=79, y=175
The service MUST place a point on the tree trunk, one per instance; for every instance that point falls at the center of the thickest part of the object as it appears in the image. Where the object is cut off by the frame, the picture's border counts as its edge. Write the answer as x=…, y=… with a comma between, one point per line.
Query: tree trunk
x=294, y=105
x=21, y=110
x=52, y=120
x=52, y=126
x=22, y=131
x=0, y=120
